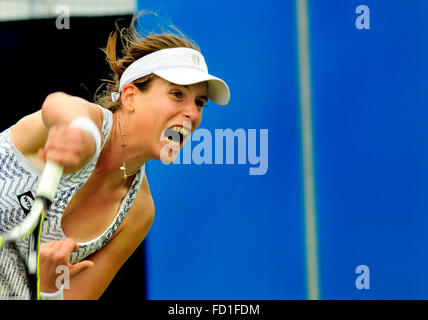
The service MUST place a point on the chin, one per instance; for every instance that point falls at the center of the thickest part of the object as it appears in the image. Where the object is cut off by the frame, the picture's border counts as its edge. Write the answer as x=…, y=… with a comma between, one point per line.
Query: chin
x=167, y=153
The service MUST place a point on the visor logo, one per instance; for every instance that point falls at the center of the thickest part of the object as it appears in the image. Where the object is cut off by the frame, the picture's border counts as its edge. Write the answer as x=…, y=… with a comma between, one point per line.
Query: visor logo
x=196, y=59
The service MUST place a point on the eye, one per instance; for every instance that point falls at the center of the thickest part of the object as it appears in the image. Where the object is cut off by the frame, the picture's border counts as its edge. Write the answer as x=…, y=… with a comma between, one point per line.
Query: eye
x=177, y=94
x=200, y=103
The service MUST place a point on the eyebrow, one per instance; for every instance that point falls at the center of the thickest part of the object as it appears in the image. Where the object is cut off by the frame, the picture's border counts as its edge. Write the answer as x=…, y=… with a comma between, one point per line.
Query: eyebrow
x=203, y=97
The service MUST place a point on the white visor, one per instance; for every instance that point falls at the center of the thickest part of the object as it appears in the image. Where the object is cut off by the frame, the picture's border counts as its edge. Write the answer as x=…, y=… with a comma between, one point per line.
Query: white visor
x=182, y=66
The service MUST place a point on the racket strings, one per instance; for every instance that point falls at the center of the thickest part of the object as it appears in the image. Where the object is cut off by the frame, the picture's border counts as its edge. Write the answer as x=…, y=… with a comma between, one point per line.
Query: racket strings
x=14, y=283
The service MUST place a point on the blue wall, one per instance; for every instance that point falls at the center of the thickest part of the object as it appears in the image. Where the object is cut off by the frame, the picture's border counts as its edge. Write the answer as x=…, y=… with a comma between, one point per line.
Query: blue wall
x=370, y=111
x=220, y=233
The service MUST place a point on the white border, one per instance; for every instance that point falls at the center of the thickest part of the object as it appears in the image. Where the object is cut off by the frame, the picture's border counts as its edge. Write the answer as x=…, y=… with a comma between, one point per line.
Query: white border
x=45, y=9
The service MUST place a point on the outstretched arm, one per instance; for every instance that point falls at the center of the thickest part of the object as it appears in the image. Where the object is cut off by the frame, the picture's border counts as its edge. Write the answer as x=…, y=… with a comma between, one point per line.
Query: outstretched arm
x=45, y=134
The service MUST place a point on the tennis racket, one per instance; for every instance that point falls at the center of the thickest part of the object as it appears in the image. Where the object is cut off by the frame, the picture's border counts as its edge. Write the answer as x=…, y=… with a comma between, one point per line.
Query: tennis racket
x=19, y=248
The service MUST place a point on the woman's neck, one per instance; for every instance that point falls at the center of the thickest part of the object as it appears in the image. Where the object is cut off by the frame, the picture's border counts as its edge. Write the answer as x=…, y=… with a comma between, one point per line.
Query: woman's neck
x=111, y=158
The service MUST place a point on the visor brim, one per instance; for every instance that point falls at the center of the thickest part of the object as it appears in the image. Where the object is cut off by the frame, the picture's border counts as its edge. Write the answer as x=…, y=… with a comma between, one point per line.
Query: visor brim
x=218, y=91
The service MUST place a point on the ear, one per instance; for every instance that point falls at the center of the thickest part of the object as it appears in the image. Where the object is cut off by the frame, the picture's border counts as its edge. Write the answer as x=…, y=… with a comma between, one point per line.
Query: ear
x=129, y=92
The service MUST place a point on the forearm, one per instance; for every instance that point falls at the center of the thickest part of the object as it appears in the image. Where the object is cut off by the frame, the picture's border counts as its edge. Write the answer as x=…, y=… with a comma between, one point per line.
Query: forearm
x=88, y=285
x=72, y=142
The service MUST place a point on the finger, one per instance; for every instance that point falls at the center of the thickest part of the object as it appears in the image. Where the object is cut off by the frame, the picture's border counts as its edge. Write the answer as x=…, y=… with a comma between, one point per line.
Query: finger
x=80, y=266
x=54, y=156
x=66, y=158
x=56, y=245
x=52, y=244
x=68, y=246
x=57, y=154
x=41, y=153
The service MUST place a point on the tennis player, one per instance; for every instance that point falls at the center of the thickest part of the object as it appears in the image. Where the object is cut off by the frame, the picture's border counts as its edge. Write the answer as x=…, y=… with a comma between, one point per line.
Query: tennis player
x=103, y=208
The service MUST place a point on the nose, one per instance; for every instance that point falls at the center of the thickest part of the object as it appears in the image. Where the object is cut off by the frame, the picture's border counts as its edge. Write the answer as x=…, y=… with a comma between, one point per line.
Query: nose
x=191, y=112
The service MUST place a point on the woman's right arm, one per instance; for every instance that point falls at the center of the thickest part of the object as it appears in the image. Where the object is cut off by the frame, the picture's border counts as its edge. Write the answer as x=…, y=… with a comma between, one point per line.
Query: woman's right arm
x=45, y=134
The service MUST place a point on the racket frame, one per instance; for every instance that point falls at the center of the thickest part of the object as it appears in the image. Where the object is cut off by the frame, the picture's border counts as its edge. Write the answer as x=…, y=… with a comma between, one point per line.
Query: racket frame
x=31, y=226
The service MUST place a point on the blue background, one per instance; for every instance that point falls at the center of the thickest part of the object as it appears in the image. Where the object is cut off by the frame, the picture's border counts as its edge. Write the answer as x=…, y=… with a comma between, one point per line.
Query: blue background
x=220, y=233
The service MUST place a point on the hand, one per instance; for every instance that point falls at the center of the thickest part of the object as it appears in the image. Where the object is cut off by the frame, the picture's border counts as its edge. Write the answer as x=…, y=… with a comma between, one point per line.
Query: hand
x=70, y=147
x=54, y=254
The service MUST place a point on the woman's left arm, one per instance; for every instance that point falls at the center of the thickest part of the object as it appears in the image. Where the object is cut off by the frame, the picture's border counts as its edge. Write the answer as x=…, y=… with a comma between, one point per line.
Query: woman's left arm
x=92, y=282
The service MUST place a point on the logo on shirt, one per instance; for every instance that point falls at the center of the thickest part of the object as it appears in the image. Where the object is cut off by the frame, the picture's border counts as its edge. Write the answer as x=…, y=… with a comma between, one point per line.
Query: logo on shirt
x=26, y=201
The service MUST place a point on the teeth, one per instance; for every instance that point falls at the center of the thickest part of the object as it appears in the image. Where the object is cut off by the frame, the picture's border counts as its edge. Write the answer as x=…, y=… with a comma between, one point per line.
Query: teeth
x=181, y=130
x=173, y=143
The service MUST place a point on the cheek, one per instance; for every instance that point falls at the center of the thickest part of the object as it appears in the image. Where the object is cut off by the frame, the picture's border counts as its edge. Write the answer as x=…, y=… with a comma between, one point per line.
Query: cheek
x=198, y=121
x=164, y=109
x=156, y=121
x=157, y=114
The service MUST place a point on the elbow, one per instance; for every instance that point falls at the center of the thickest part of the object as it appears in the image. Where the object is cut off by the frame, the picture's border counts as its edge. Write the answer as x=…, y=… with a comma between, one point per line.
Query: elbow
x=51, y=108
x=52, y=99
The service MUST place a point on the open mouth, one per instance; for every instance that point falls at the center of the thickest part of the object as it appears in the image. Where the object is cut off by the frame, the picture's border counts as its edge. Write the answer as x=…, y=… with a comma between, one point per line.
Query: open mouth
x=176, y=136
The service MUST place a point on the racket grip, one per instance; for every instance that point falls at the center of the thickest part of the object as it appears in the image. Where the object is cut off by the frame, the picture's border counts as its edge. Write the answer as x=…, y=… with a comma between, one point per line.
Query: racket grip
x=49, y=181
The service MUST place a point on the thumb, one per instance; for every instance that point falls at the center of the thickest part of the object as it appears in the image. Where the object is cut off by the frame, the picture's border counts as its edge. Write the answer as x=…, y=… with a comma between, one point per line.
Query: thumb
x=41, y=153
x=79, y=267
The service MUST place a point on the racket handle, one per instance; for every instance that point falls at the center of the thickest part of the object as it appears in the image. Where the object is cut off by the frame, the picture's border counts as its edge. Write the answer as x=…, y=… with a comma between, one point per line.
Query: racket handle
x=49, y=181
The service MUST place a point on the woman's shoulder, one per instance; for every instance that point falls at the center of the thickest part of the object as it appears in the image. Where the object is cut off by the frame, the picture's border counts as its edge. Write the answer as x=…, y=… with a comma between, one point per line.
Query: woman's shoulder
x=29, y=134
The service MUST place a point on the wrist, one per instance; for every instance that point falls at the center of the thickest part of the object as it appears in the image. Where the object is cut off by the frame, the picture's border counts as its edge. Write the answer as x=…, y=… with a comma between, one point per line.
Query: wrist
x=57, y=295
x=86, y=124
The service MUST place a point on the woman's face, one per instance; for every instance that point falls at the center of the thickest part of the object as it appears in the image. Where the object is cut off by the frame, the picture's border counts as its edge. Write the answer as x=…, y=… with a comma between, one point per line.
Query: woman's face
x=167, y=114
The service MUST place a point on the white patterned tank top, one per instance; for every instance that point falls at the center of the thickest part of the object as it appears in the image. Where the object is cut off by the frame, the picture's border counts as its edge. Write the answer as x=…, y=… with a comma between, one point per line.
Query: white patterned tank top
x=18, y=183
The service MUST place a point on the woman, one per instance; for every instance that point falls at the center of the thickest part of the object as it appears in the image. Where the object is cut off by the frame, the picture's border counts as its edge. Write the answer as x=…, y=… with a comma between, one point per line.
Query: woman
x=103, y=208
